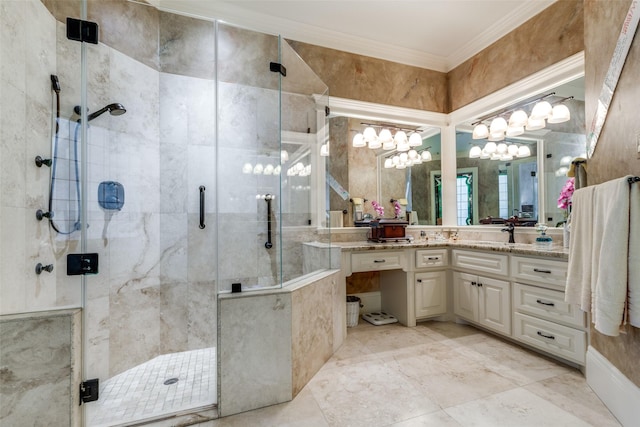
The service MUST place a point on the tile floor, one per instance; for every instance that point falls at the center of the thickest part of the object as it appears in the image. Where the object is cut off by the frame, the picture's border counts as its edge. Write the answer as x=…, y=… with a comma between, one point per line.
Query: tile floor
x=436, y=374
x=140, y=393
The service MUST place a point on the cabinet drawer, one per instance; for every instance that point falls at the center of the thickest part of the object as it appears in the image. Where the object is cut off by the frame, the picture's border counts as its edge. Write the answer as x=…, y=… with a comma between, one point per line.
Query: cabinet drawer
x=431, y=258
x=548, y=272
x=546, y=304
x=481, y=262
x=377, y=260
x=562, y=341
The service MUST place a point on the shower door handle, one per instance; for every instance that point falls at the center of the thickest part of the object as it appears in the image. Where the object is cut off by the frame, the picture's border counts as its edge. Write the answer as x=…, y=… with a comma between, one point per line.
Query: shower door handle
x=202, y=224
x=268, y=199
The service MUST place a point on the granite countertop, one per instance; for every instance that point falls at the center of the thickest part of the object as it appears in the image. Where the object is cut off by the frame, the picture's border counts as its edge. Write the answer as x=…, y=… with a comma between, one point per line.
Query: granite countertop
x=555, y=251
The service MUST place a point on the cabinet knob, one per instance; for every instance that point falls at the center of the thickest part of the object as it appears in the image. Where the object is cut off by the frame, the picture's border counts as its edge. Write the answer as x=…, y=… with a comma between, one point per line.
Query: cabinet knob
x=419, y=280
x=479, y=285
x=473, y=283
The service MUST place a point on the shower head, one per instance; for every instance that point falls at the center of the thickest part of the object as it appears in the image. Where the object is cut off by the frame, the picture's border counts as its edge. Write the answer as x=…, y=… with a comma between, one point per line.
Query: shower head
x=115, y=109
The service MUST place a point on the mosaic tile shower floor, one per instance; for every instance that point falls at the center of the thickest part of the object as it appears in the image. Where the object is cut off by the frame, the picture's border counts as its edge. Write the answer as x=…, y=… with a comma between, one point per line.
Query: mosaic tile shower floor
x=140, y=393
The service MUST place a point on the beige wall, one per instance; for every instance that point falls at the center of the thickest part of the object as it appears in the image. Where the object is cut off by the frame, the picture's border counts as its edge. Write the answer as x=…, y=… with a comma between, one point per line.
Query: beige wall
x=375, y=80
x=544, y=40
x=615, y=155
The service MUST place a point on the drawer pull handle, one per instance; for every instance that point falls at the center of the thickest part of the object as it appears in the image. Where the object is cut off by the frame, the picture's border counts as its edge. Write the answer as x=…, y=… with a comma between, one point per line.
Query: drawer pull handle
x=433, y=258
x=379, y=260
x=419, y=280
x=538, y=270
x=550, y=304
x=549, y=337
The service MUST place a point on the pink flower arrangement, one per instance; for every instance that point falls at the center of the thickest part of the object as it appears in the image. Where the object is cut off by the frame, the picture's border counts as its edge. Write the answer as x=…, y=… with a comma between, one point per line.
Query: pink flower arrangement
x=564, y=201
x=397, y=208
x=378, y=208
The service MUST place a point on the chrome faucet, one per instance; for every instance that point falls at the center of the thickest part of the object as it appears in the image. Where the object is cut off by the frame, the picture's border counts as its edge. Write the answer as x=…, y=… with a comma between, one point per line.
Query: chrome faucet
x=510, y=229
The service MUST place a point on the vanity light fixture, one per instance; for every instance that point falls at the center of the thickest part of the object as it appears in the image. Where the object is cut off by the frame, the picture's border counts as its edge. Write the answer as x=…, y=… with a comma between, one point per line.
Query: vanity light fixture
x=407, y=159
x=542, y=112
x=390, y=137
x=504, y=151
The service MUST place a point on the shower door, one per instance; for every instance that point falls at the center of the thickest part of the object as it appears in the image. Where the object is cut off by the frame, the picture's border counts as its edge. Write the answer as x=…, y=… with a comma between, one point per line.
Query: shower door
x=150, y=312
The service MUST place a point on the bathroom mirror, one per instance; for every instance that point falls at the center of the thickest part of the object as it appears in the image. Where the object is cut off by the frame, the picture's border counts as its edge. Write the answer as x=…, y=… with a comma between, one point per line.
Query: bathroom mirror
x=523, y=186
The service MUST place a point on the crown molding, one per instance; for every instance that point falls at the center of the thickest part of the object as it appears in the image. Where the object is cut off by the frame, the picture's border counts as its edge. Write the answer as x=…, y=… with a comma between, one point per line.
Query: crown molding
x=235, y=15
x=501, y=28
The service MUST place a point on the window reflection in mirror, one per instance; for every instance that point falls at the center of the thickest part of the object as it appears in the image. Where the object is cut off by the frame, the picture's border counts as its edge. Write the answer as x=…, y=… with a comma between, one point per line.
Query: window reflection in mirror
x=525, y=187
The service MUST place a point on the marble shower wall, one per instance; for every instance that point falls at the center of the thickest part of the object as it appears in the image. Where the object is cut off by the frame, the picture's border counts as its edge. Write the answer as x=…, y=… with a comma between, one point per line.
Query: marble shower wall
x=615, y=155
x=40, y=357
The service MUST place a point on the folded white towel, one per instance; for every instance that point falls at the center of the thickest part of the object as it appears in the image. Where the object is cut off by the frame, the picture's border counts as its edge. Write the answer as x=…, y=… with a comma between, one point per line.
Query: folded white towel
x=578, y=287
x=610, y=254
x=634, y=255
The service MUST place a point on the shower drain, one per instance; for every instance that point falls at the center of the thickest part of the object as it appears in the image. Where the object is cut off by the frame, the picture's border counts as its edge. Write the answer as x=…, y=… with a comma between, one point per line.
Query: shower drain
x=171, y=381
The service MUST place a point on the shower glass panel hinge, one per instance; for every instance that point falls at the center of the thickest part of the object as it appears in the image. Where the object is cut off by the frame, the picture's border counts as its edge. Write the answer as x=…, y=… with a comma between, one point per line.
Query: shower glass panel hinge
x=89, y=390
x=82, y=31
x=78, y=264
x=327, y=111
x=278, y=68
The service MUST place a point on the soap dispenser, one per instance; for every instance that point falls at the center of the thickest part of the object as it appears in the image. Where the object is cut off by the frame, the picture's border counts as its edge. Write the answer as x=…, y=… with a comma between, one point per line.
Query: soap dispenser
x=543, y=240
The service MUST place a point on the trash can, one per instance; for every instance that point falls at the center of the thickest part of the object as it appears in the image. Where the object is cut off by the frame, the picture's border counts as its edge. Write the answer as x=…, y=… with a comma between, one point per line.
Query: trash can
x=353, y=310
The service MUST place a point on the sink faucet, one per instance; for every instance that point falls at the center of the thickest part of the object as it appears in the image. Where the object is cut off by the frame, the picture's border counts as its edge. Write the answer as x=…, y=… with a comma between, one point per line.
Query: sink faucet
x=510, y=229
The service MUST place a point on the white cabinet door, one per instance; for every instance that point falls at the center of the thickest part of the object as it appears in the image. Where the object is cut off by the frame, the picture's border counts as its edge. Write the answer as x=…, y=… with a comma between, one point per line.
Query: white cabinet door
x=465, y=295
x=494, y=300
x=431, y=293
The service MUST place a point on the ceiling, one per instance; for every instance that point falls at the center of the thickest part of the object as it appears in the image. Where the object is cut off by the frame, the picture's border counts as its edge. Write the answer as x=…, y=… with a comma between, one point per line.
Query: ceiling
x=433, y=34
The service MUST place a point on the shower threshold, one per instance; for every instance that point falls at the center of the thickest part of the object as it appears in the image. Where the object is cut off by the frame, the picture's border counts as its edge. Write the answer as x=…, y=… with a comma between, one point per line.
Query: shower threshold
x=164, y=387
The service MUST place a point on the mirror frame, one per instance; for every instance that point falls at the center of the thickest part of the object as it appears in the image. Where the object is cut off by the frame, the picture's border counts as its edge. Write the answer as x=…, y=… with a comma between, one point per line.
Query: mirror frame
x=557, y=74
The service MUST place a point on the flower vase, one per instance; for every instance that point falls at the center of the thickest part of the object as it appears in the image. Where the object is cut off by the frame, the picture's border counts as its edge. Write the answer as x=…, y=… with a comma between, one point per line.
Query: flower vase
x=566, y=234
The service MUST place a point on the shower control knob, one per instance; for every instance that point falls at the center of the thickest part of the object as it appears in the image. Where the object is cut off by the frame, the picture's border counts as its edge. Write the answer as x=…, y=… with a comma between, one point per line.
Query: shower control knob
x=40, y=161
x=40, y=268
x=40, y=214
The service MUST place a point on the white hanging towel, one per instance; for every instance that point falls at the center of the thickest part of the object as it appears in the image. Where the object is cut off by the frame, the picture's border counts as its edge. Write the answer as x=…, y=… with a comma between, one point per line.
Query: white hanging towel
x=634, y=255
x=610, y=255
x=578, y=287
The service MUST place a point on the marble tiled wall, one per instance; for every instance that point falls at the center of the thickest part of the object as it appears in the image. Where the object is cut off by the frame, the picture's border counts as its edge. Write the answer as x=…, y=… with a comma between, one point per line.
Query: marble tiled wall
x=40, y=359
x=615, y=155
x=273, y=342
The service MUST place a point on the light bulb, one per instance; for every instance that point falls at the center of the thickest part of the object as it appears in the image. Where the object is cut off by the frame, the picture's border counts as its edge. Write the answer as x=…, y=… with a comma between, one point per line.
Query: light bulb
x=415, y=140
x=559, y=114
x=540, y=111
x=426, y=156
x=514, y=131
x=324, y=150
x=258, y=168
x=490, y=147
x=501, y=148
x=524, y=151
x=535, y=124
x=277, y=169
x=499, y=124
x=247, y=168
x=485, y=155
x=404, y=157
x=400, y=138
x=512, y=149
x=284, y=156
x=385, y=136
x=480, y=131
x=413, y=154
x=268, y=170
x=403, y=146
x=395, y=160
x=369, y=134
x=374, y=144
x=475, y=152
x=358, y=141
x=518, y=118
x=388, y=163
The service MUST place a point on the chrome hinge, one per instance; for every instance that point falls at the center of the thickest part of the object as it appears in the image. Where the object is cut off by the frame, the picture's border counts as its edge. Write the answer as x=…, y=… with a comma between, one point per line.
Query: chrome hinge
x=89, y=390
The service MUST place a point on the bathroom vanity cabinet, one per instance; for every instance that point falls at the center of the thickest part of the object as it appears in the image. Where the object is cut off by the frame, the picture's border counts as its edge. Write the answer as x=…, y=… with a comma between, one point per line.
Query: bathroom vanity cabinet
x=515, y=291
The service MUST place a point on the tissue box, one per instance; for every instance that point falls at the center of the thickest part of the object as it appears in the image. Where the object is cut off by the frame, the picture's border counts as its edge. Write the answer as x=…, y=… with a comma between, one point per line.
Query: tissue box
x=388, y=229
